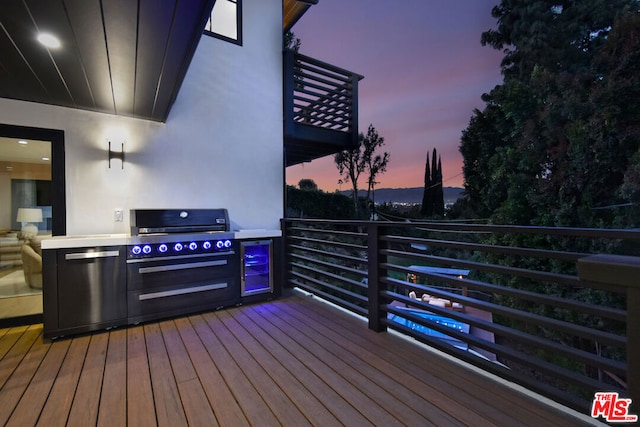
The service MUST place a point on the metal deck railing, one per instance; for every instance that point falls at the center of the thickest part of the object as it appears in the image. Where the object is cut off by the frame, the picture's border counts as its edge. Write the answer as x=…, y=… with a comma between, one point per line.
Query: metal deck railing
x=539, y=306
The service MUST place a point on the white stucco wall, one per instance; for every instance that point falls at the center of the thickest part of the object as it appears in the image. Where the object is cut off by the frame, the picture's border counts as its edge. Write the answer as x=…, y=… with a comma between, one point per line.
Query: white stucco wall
x=220, y=147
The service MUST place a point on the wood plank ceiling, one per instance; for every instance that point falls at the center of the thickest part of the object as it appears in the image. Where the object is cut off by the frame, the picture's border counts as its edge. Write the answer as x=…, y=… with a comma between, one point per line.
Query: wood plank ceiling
x=293, y=10
x=120, y=57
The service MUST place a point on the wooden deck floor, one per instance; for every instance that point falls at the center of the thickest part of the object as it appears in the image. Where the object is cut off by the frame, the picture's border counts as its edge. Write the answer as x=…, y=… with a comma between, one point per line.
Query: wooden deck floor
x=292, y=362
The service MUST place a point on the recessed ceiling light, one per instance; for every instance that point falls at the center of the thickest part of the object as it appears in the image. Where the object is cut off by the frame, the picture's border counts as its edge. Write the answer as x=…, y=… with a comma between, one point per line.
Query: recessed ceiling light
x=22, y=142
x=46, y=159
x=49, y=40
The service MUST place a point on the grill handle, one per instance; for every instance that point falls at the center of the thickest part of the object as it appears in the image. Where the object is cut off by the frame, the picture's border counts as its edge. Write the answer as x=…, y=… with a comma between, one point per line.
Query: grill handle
x=161, y=268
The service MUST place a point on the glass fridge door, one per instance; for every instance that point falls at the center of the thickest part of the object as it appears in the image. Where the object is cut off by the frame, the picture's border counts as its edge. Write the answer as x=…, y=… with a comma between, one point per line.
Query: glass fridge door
x=256, y=267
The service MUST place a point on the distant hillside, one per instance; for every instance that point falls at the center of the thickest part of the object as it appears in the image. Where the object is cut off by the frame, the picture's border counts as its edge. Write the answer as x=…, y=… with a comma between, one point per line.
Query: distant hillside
x=409, y=195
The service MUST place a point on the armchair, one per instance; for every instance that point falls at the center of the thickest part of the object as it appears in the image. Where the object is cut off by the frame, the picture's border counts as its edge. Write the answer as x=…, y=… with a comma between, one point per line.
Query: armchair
x=32, y=263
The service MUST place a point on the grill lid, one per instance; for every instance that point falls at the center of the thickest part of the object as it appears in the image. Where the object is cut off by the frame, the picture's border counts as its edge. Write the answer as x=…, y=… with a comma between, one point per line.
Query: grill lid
x=149, y=221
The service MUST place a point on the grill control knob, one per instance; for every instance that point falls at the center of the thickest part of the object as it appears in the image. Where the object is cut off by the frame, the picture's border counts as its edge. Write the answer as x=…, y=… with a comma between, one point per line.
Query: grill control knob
x=163, y=248
x=227, y=244
x=193, y=246
x=206, y=245
x=146, y=249
x=136, y=250
x=219, y=244
x=177, y=247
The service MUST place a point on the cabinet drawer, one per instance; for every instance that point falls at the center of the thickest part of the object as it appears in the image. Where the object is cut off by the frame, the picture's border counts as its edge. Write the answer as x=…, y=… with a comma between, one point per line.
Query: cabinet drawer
x=147, y=304
x=159, y=274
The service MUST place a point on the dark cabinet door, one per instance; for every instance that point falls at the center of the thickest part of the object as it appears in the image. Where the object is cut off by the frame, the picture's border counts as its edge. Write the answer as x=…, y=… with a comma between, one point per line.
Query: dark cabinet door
x=92, y=287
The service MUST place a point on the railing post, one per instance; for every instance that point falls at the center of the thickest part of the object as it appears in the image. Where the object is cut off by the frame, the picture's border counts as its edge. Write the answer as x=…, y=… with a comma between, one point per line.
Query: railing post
x=619, y=270
x=354, y=108
x=284, y=256
x=373, y=280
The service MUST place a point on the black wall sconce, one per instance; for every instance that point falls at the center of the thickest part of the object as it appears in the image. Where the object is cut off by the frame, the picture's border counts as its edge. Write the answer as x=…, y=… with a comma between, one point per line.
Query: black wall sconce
x=116, y=155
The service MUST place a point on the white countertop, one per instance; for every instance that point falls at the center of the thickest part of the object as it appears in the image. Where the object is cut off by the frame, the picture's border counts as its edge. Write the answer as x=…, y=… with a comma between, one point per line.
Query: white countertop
x=258, y=233
x=60, y=242
x=84, y=241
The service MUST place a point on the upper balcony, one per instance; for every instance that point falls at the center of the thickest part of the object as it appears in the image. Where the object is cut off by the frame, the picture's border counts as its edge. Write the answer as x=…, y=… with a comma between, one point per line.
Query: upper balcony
x=320, y=108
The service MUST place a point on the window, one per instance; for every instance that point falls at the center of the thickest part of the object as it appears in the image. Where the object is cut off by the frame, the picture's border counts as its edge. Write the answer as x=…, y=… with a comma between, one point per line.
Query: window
x=226, y=21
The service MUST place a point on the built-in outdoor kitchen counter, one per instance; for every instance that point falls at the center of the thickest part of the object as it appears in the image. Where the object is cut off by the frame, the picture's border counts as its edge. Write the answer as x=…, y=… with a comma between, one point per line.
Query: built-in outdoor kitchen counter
x=102, y=281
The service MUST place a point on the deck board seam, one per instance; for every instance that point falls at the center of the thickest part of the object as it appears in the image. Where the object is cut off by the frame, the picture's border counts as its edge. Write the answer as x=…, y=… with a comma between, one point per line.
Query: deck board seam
x=357, y=398
x=30, y=335
x=37, y=356
x=270, y=390
x=169, y=408
x=354, y=359
x=313, y=384
x=413, y=354
x=340, y=405
x=292, y=354
x=258, y=408
x=409, y=368
x=42, y=370
x=65, y=384
x=78, y=408
x=414, y=351
x=205, y=367
x=298, y=393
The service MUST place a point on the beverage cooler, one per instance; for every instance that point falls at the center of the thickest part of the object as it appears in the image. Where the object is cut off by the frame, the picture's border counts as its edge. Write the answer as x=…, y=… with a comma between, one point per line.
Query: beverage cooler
x=257, y=268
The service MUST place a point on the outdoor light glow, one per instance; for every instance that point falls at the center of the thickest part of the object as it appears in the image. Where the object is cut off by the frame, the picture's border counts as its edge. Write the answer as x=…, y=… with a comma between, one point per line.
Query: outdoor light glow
x=49, y=41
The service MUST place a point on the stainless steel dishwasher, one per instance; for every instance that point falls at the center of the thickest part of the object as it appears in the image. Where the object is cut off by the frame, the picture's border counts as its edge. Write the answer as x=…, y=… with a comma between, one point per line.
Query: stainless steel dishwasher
x=92, y=288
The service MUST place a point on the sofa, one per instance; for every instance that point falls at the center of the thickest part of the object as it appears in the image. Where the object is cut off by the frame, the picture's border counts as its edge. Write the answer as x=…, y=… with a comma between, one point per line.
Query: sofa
x=31, y=253
x=10, y=246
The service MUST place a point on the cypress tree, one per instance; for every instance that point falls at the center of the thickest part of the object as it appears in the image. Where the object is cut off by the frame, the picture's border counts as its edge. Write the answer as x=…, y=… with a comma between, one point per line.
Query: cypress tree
x=438, y=198
x=433, y=196
x=427, y=196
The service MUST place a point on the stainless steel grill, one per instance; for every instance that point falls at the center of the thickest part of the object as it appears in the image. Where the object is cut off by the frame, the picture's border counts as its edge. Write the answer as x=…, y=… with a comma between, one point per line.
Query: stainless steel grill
x=180, y=261
x=151, y=221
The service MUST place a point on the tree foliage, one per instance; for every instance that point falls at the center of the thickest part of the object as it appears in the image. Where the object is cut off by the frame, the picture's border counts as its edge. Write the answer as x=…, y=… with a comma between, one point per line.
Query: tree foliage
x=375, y=163
x=558, y=142
x=352, y=163
x=307, y=184
x=309, y=202
x=291, y=41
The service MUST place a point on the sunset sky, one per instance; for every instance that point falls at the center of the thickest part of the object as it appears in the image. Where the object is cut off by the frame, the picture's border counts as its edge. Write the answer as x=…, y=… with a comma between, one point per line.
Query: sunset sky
x=425, y=71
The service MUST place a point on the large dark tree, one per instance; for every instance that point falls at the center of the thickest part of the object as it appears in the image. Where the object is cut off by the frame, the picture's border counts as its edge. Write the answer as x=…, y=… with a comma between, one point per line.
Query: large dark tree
x=557, y=143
